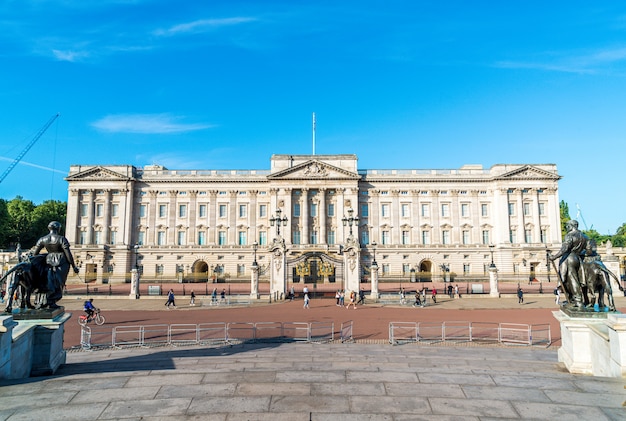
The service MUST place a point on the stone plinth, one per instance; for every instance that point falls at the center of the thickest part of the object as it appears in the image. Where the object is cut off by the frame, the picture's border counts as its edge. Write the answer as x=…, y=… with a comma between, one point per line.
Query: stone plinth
x=30, y=346
x=593, y=343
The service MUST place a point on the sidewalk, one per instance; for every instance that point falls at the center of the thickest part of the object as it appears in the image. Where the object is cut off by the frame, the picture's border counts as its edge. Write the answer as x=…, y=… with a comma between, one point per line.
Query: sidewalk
x=318, y=382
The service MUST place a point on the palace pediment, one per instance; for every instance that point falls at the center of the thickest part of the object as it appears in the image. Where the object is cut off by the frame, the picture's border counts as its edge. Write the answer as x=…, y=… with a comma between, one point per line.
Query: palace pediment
x=97, y=173
x=528, y=172
x=314, y=170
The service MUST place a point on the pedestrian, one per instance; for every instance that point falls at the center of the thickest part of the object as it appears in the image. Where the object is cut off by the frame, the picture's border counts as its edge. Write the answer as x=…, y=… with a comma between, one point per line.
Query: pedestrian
x=223, y=296
x=214, y=297
x=456, y=291
x=306, y=300
x=423, y=296
x=192, y=300
x=402, y=296
x=170, y=299
x=557, y=293
x=342, y=297
x=338, y=297
x=352, y=300
x=435, y=295
x=292, y=293
x=361, y=296
x=450, y=291
x=520, y=295
x=418, y=301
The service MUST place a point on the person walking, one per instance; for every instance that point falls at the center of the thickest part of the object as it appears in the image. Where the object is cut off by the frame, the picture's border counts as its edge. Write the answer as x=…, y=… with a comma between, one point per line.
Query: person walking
x=192, y=299
x=352, y=300
x=520, y=295
x=214, y=297
x=170, y=299
x=223, y=296
x=435, y=295
x=361, y=296
x=338, y=297
x=306, y=300
x=557, y=298
x=456, y=292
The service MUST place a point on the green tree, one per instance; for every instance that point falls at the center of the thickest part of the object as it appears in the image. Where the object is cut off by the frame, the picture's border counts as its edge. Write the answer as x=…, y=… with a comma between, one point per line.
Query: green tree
x=621, y=230
x=20, y=230
x=565, y=218
x=50, y=210
x=5, y=225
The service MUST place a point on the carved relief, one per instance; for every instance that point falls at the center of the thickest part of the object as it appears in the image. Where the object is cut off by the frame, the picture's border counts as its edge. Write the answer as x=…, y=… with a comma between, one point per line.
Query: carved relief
x=315, y=170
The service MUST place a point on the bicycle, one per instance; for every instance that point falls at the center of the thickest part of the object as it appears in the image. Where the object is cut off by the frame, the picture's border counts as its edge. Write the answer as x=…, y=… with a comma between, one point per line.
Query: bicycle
x=96, y=317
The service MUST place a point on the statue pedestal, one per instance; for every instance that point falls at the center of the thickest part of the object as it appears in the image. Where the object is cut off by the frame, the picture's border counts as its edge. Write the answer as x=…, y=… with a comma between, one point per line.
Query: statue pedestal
x=593, y=345
x=32, y=347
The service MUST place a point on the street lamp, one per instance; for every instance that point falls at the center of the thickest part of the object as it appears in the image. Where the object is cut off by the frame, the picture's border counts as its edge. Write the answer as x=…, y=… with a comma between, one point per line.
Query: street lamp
x=374, y=244
x=350, y=220
x=491, y=246
x=278, y=221
x=255, y=245
x=136, y=248
x=548, y=262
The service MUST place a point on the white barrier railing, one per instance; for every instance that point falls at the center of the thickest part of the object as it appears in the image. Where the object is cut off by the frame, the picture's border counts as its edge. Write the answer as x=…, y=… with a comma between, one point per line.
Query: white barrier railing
x=321, y=331
x=403, y=332
x=345, y=332
x=504, y=333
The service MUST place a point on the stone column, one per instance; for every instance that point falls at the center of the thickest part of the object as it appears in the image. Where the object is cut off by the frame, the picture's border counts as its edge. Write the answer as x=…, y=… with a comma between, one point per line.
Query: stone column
x=374, y=275
x=322, y=216
x=305, y=217
x=254, y=282
x=90, y=216
x=134, y=284
x=493, y=282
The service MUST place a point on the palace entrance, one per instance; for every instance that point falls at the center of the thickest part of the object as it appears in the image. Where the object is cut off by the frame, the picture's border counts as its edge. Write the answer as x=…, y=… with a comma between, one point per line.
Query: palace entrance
x=315, y=268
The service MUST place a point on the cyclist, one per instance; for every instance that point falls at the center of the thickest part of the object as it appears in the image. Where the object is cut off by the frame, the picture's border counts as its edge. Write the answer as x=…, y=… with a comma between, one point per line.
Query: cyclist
x=89, y=308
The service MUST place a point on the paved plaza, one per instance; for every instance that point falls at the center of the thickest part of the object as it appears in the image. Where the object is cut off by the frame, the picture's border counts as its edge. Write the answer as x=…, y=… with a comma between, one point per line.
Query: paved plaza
x=305, y=381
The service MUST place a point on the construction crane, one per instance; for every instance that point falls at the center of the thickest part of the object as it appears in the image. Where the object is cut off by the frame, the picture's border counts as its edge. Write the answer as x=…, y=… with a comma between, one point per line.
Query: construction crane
x=30, y=145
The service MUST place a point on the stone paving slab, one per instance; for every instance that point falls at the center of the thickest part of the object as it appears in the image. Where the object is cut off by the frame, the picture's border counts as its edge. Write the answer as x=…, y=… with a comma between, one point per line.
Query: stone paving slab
x=278, y=382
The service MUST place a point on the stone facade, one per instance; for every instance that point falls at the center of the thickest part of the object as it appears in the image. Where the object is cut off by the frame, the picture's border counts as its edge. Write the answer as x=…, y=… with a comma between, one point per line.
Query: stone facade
x=202, y=224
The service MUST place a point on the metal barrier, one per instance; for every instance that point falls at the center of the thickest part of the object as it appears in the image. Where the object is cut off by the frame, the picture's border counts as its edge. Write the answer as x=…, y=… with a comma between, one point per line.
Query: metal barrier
x=540, y=335
x=456, y=331
x=430, y=331
x=504, y=333
x=403, y=332
x=240, y=331
x=297, y=331
x=515, y=333
x=212, y=333
x=183, y=334
x=485, y=332
x=128, y=335
x=268, y=332
x=321, y=331
x=85, y=337
x=345, y=333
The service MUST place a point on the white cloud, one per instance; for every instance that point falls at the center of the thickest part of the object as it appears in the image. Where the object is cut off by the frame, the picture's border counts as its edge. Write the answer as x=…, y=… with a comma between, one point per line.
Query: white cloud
x=70, y=56
x=594, y=62
x=202, y=25
x=146, y=124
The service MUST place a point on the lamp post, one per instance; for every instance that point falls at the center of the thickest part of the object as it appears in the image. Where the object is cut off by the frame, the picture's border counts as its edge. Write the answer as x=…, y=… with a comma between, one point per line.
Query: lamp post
x=548, y=262
x=255, y=245
x=350, y=220
x=278, y=221
x=374, y=244
x=136, y=248
x=491, y=247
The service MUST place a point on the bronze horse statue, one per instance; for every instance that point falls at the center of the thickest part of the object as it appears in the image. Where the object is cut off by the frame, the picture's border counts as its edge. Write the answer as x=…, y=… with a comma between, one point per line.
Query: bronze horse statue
x=27, y=277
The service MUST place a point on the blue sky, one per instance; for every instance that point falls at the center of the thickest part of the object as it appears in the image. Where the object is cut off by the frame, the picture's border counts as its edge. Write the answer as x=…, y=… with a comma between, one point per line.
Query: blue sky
x=401, y=84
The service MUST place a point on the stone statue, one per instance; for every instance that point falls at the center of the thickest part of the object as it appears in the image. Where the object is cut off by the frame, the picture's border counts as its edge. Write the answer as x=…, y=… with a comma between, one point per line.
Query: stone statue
x=58, y=262
x=598, y=278
x=570, y=265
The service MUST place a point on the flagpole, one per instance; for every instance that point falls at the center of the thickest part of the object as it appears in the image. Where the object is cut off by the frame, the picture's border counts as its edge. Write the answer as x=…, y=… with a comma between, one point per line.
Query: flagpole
x=313, y=133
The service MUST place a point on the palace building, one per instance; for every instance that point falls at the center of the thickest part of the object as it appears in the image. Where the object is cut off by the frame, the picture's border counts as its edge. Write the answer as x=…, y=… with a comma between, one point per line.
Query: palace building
x=313, y=218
